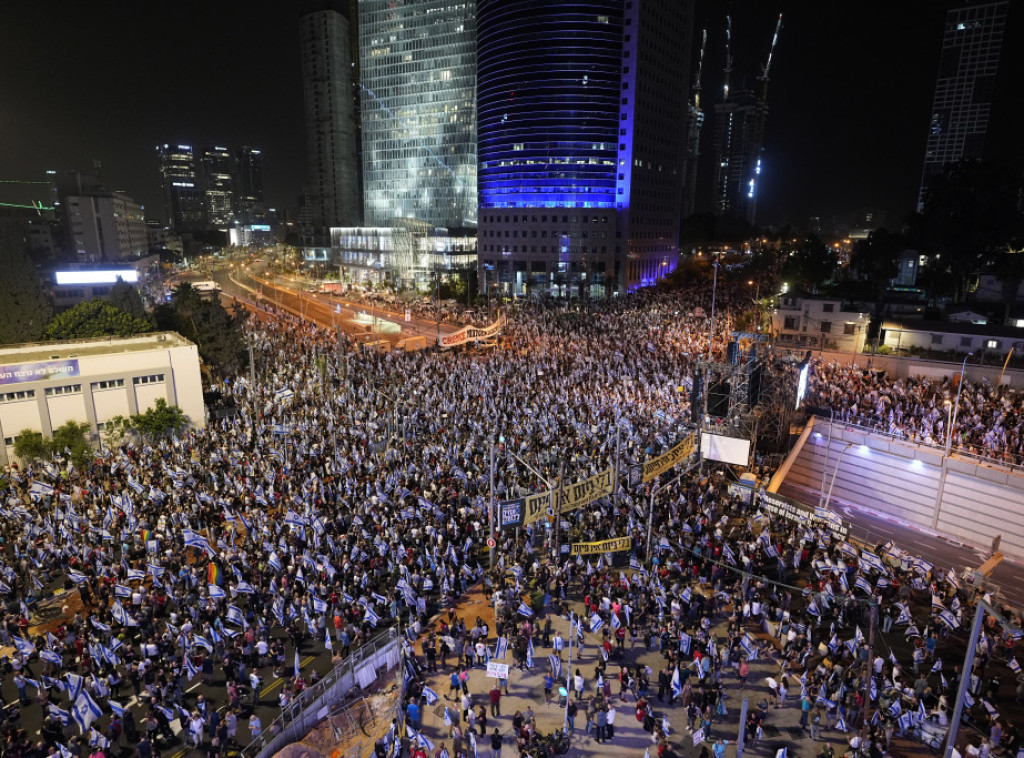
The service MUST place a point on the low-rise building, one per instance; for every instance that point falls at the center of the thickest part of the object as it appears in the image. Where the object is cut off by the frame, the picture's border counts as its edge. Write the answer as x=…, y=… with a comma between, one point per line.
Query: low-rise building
x=956, y=338
x=46, y=384
x=820, y=323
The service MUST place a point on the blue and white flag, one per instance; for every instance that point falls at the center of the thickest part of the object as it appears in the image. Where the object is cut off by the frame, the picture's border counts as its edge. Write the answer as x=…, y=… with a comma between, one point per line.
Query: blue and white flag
x=949, y=619
x=937, y=666
x=245, y=588
x=525, y=610
x=23, y=646
x=85, y=711
x=235, y=615
x=216, y=593
x=430, y=695
x=500, y=648
x=596, y=622
x=555, y=663
x=61, y=715
x=677, y=685
x=372, y=617
x=200, y=641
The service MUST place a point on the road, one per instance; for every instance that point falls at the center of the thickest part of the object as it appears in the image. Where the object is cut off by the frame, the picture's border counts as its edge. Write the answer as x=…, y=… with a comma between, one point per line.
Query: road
x=329, y=311
x=944, y=552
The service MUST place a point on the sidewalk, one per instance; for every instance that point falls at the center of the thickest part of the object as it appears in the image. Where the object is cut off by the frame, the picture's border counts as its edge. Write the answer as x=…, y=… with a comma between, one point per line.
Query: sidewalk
x=526, y=689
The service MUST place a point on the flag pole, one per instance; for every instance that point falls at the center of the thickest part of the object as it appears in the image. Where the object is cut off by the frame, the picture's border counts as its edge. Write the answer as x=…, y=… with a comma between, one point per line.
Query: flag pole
x=568, y=675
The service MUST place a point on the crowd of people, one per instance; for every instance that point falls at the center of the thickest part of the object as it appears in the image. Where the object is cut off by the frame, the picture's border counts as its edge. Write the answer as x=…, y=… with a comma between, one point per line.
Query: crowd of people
x=349, y=490
x=989, y=421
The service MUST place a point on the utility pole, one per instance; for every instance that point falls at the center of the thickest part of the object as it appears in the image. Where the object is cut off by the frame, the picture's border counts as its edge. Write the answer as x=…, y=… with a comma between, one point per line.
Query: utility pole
x=743, y=728
x=965, y=677
x=490, y=509
x=252, y=365
x=556, y=509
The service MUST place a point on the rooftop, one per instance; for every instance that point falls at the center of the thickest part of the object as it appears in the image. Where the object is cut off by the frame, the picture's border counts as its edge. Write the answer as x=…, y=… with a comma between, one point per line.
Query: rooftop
x=32, y=352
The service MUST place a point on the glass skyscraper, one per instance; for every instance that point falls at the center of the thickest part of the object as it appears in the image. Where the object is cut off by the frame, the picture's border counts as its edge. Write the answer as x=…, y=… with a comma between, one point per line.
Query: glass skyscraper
x=581, y=132
x=183, y=196
x=965, y=86
x=418, y=102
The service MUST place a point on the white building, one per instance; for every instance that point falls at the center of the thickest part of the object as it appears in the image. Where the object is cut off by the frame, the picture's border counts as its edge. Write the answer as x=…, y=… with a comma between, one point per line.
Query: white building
x=956, y=338
x=106, y=227
x=45, y=385
x=820, y=323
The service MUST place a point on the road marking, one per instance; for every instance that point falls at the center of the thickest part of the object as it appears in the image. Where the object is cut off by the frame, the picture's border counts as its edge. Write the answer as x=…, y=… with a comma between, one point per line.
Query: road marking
x=273, y=685
x=197, y=684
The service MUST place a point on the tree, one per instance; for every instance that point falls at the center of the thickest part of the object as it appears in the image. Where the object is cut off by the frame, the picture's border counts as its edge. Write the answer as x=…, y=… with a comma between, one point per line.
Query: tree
x=160, y=420
x=875, y=259
x=95, y=318
x=126, y=298
x=205, y=321
x=67, y=440
x=810, y=265
x=31, y=445
x=24, y=306
x=970, y=214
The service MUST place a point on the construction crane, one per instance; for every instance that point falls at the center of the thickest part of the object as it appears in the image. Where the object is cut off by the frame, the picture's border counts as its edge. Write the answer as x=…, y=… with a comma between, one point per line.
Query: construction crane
x=700, y=69
x=35, y=205
x=763, y=78
x=728, y=56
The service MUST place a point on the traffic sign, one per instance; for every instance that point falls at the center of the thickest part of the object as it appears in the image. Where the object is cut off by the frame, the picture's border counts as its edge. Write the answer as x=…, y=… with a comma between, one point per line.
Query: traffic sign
x=490, y=542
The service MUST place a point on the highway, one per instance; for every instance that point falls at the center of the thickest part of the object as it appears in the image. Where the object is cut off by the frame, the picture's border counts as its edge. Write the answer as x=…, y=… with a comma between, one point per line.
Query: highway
x=367, y=321
x=944, y=552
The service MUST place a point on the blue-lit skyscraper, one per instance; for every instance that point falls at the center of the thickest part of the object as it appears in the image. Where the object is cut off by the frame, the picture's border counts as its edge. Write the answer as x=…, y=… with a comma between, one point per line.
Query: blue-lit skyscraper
x=417, y=63
x=581, y=123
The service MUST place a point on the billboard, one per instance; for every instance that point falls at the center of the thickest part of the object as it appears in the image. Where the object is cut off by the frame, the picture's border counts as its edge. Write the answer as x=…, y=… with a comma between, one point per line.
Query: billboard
x=16, y=373
x=97, y=276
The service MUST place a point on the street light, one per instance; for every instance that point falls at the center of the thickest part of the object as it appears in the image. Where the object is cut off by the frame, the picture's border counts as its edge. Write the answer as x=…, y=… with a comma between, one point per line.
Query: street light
x=551, y=493
x=956, y=409
x=835, y=471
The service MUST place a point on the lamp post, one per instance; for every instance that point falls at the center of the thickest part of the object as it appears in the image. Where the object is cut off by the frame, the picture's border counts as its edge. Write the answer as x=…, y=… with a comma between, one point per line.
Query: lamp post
x=551, y=491
x=828, y=452
x=835, y=471
x=956, y=408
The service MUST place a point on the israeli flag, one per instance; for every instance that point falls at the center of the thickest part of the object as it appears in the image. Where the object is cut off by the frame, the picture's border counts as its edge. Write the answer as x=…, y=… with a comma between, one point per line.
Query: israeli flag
x=200, y=641
x=76, y=577
x=616, y=623
x=1014, y=666
x=116, y=708
x=85, y=711
x=449, y=717
x=75, y=686
x=863, y=585
x=190, y=667
x=947, y=618
x=235, y=615
x=430, y=695
x=529, y=655
x=677, y=685
x=50, y=656
x=685, y=641
x=327, y=638
x=244, y=588
x=525, y=610
x=372, y=617
x=23, y=646
x=555, y=663
x=282, y=395
x=216, y=593
x=904, y=617
x=500, y=648
x=274, y=561
x=61, y=715
x=937, y=666
x=596, y=622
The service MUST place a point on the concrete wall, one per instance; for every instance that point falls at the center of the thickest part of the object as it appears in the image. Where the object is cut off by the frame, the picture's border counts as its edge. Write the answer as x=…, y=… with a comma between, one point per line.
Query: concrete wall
x=904, y=366
x=971, y=501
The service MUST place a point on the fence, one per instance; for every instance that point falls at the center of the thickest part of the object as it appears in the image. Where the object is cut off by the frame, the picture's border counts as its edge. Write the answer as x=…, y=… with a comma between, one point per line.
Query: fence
x=314, y=703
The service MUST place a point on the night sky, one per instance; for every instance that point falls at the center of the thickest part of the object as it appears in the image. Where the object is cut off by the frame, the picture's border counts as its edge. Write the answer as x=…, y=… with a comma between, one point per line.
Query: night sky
x=850, y=92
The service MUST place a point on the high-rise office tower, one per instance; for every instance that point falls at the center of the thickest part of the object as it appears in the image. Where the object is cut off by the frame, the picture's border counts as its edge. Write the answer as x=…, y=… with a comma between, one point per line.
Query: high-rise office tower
x=580, y=140
x=218, y=185
x=965, y=85
x=418, y=107
x=738, y=124
x=330, y=119
x=249, y=184
x=183, y=197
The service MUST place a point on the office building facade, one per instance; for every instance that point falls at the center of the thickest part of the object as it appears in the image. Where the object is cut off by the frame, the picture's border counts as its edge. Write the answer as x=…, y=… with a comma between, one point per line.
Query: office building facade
x=249, y=202
x=418, y=111
x=105, y=226
x=327, y=84
x=965, y=86
x=580, y=141
x=182, y=190
x=219, y=186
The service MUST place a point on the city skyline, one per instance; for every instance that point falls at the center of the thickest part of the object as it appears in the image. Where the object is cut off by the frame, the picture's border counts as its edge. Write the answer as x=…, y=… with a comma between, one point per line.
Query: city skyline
x=832, y=144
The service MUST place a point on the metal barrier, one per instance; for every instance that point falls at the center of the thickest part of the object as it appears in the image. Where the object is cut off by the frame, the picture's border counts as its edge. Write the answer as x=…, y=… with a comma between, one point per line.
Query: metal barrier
x=305, y=711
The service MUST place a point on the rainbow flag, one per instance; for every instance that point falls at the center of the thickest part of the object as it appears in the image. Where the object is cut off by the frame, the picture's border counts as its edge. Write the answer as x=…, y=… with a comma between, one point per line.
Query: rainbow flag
x=214, y=575
x=147, y=535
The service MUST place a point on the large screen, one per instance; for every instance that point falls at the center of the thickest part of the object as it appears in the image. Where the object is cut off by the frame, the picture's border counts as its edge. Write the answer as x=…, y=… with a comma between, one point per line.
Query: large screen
x=718, y=447
x=95, y=276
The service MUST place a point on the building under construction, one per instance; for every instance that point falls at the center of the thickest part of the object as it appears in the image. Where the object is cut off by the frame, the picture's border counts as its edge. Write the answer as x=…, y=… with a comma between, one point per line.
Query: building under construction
x=739, y=123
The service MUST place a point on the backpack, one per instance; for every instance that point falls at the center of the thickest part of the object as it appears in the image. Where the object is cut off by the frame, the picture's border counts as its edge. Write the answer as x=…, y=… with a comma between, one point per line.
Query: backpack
x=572, y=710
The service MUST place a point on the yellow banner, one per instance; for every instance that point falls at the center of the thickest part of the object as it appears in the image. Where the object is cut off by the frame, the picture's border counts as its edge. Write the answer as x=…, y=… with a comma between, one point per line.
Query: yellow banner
x=569, y=497
x=607, y=546
x=673, y=457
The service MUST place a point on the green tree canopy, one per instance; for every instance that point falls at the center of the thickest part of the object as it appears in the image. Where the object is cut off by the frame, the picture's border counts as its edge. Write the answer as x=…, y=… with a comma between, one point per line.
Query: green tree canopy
x=125, y=297
x=68, y=440
x=217, y=332
x=95, y=318
x=158, y=421
x=24, y=306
